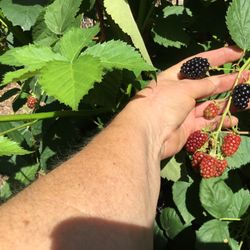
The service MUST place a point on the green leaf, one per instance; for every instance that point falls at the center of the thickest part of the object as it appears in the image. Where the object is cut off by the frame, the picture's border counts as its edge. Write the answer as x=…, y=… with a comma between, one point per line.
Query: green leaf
x=171, y=168
x=175, y=10
x=241, y=157
x=118, y=54
x=27, y=174
x=215, y=196
x=60, y=15
x=212, y=235
x=69, y=82
x=75, y=39
x=238, y=22
x=239, y=204
x=160, y=240
x=22, y=15
x=179, y=190
x=9, y=147
x=171, y=222
x=5, y=191
x=30, y=55
x=170, y=32
x=41, y=34
x=19, y=75
x=121, y=13
x=105, y=94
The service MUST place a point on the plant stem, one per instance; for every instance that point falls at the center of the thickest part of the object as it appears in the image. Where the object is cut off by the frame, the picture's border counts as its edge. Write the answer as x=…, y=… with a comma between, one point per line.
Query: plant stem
x=48, y=115
x=230, y=219
x=19, y=127
x=147, y=18
x=226, y=111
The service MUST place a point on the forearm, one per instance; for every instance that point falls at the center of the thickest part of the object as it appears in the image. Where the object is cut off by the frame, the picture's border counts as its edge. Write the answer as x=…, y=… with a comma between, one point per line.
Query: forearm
x=102, y=198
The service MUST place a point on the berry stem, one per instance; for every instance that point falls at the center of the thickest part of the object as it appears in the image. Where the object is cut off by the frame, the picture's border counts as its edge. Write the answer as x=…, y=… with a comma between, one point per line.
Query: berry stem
x=230, y=219
x=19, y=127
x=226, y=110
x=53, y=114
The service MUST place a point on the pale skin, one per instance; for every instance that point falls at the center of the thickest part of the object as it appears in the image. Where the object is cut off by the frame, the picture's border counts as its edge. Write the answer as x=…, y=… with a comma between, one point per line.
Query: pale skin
x=105, y=196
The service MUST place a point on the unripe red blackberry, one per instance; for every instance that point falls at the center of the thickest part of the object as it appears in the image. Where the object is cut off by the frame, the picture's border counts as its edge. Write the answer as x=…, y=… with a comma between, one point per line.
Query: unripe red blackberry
x=195, y=68
x=241, y=96
x=231, y=143
x=31, y=102
x=195, y=141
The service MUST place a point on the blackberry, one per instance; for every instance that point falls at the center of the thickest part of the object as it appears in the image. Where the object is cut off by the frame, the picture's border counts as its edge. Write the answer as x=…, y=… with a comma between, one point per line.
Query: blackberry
x=241, y=95
x=195, y=68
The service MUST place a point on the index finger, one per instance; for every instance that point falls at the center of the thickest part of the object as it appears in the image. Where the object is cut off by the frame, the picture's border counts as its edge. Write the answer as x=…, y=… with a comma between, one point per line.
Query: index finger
x=215, y=57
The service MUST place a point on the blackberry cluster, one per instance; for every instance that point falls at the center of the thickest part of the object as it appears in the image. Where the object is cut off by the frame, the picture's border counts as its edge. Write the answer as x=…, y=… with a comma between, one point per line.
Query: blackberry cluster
x=241, y=96
x=195, y=68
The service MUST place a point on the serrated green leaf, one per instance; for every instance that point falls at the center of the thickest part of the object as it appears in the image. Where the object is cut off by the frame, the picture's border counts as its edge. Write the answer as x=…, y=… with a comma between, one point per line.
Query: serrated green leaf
x=41, y=34
x=105, y=94
x=60, y=15
x=9, y=147
x=121, y=13
x=170, y=32
x=75, y=39
x=5, y=191
x=171, y=168
x=22, y=15
x=170, y=222
x=30, y=56
x=69, y=82
x=19, y=75
x=239, y=204
x=213, y=233
x=215, y=196
x=179, y=190
x=27, y=174
x=160, y=240
x=238, y=23
x=241, y=157
x=118, y=54
x=175, y=10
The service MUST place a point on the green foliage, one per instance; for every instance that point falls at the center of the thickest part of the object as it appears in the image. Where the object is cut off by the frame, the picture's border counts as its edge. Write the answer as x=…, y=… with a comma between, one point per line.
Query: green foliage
x=9, y=147
x=69, y=82
x=87, y=59
x=120, y=12
x=60, y=15
x=215, y=197
x=238, y=23
x=27, y=15
x=119, y=55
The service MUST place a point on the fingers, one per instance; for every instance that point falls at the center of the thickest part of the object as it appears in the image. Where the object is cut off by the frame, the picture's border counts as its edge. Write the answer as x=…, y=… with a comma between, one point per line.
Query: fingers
x=213, y=124
x=215, y=57
x=212, y=85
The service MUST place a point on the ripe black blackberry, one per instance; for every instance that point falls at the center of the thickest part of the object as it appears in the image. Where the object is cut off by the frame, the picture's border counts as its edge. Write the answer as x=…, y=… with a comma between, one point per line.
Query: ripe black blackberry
x=241, y=95
x=195, y=68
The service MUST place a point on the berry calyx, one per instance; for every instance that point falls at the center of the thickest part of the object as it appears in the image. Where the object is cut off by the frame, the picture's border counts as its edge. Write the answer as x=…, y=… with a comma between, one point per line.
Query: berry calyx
x=211, y=111
x=195, y=68
x=196, y=140
x=31, y=102
x=230, y=144
x=241, y=95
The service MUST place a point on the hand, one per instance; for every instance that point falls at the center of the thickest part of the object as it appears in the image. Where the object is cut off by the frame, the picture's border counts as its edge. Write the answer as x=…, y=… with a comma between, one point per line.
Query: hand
x=169, y=106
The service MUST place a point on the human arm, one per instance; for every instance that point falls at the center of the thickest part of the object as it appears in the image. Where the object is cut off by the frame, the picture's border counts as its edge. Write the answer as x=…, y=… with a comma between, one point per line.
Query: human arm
x=105, y=196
